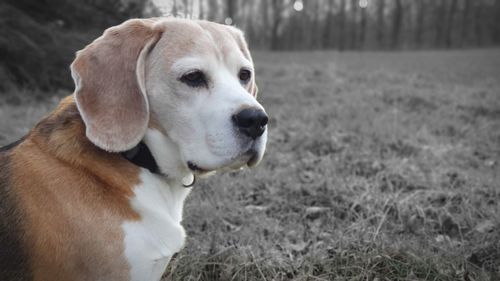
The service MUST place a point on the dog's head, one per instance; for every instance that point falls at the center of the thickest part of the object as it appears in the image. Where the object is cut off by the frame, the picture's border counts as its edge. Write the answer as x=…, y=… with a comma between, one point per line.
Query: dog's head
x=193, y=82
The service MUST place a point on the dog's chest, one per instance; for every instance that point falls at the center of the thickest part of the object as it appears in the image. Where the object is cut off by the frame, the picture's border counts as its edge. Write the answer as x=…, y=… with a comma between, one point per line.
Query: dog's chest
x=151, y=241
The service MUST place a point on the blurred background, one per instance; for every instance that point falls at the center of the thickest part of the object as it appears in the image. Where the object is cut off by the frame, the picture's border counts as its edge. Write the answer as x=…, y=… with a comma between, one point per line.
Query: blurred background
x=383, y=159
x=38, y=39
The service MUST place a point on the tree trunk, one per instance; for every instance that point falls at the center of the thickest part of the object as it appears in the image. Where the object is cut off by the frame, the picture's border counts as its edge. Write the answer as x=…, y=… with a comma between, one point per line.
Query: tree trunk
x=380, y=23
x=316, y=38
x=449, y=25
x=464, y=32
x=496, y=23
x=341, y=25
x=174, y=8
x=397, y=20
x=247, y=12
x=362, y=29
x=328, y=41
x=354, y=24
x=230, y=9
x=191, y=8
x=277, y=9
x=305, y=37
x=419, y=27
x=201, y=11
x=440, y=15
x=478, y=20
x=212, y=10
x=264, y=10
x=185, y=4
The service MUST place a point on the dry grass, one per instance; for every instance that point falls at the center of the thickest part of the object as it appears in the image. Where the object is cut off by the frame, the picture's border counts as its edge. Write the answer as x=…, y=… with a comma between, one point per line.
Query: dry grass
x=380, y=166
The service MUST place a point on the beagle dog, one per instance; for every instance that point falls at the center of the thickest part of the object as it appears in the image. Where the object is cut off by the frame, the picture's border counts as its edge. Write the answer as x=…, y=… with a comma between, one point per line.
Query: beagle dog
x=95, y=191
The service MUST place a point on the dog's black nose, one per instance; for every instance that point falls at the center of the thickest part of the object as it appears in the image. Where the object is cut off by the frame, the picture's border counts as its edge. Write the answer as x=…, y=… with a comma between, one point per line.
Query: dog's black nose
x=251, y=122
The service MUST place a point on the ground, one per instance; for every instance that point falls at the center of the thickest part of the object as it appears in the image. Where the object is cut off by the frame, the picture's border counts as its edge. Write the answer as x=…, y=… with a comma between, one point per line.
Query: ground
x=379, y=166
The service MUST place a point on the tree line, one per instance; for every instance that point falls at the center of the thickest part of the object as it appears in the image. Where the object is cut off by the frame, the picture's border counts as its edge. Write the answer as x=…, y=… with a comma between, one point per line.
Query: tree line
x=38, y=39
x=353, y=24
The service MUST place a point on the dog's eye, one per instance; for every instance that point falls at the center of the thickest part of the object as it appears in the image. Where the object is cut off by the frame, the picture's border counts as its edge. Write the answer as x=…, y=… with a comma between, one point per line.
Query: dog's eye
x=194, y=79
x=245, y=75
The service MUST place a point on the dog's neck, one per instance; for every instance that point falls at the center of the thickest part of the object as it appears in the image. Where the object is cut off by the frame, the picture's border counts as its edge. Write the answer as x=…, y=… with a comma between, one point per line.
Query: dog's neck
x=167, y=157
x=141, y=156
x=62, y=133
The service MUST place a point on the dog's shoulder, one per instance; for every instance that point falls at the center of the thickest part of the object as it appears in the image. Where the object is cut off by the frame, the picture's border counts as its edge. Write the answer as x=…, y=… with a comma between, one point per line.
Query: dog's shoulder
x=55, y=183
x=62, y=130
x=8, y=147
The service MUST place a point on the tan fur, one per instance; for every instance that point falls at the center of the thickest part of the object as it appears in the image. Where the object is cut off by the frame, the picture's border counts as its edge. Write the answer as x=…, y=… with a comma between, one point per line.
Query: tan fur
x=155, y=124
x=176, y=41
x=75, y=197
x=108, y=86
x=226, y=38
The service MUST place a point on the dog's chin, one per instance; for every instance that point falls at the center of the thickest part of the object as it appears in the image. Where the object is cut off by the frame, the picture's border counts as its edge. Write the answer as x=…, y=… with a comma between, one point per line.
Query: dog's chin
x=255, y=159
x=247, y=159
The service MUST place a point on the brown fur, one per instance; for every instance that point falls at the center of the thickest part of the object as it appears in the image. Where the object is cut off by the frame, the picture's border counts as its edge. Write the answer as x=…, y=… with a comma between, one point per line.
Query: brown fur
x=74, y=197
x=13, y=255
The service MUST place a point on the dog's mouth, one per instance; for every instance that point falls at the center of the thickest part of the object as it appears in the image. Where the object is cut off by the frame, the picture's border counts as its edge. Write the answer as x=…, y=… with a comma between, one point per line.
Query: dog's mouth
x=195, y=168
x=249, y=158
x=254, y=159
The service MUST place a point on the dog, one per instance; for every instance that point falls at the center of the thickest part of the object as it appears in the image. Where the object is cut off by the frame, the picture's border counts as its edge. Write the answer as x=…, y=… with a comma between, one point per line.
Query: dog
x=95, y=191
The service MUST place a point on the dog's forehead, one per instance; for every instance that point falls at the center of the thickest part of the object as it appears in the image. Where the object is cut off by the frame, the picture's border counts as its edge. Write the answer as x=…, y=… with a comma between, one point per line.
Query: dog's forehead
x=230, y=38
x=182, y=38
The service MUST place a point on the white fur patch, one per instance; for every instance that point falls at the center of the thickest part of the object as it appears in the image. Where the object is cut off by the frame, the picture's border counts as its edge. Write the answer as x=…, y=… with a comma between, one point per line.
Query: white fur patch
x=151, y=242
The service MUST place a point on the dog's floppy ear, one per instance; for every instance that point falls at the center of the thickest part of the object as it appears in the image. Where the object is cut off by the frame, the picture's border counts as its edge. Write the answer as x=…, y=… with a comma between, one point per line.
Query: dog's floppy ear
x=254, y=90
x=110, y=87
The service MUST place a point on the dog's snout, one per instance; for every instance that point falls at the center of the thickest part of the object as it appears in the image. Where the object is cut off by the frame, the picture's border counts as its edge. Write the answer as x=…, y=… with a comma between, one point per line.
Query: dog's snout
x=251, y=122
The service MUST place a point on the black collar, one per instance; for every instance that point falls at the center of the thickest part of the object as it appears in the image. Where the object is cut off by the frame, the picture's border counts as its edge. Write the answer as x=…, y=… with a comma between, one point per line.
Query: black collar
x=141, y=156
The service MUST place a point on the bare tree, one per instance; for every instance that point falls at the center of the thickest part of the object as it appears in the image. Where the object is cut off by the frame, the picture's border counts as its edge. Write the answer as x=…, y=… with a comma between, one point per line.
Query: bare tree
x=230, y=9
x=185, y=5
x=439, y=22
x=316, y=38
x=464, y=32
x=174, y=8
x=328, y=34
x=341, y=24
x=496, y=23
x=191, y=8
x=264, y=11
x=305, y=24
x=247, y=17
x=201, y=10
x=345, y=24
x=419, y=22
x=362, y=28
x=212, y=10
x=380, y=23
x=397, y=20
x=354, y=24
x=449, y=23
x=277, y=9
x=478, y=21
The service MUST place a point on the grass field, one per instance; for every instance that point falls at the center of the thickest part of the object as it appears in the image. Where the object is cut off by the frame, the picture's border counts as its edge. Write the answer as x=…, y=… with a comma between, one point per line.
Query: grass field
x=380, y=166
